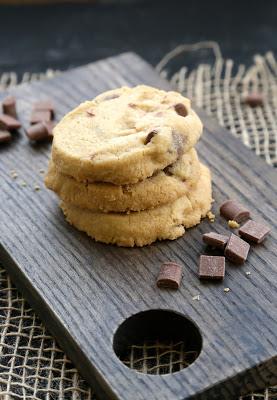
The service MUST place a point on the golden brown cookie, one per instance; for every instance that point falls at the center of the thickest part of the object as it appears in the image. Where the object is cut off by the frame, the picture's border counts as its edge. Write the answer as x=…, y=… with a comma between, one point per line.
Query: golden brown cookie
x=125, y=135
x=161, y=188
x=141, y=228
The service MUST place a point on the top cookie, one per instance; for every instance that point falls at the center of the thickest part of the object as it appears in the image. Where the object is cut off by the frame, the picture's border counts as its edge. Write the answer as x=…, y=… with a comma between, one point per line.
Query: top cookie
x=125, y=135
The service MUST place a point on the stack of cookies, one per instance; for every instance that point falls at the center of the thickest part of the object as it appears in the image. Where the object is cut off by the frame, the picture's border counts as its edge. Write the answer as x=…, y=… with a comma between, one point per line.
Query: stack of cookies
x=125, y=167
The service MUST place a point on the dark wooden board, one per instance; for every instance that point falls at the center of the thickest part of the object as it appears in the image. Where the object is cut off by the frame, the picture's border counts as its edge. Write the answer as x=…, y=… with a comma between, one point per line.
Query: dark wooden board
x=83, y=290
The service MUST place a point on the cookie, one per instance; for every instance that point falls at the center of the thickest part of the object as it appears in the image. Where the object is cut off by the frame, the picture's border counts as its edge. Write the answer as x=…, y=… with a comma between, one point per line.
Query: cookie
x=161, y=188
x=141, y=228
x=125, y=135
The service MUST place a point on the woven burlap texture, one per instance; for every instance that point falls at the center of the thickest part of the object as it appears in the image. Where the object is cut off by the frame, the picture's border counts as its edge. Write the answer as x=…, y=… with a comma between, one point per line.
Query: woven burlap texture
x=220, y=88
x=32, y=366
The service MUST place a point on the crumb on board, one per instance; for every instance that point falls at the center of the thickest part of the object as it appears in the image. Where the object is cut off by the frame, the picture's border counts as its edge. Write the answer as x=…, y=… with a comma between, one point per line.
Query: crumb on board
x=23, y=184
x=233, y=224
x=211, y=216
x=37, y=188
x=226, y=290
x=197, y=297
x=41, y=171
x=247, y=273
x=14, y=174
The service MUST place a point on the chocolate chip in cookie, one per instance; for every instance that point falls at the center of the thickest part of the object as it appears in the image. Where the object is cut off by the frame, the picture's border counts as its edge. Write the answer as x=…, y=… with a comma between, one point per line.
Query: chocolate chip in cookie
x=178, y=143
x=168, y=170
x=181, y=109
x=91, y=112
x=111, y=97
x=150, y=136
x=132, y=105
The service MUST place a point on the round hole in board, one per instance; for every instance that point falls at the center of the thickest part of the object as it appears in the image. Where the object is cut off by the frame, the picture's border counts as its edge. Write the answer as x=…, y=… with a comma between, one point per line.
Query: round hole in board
x=157, y=342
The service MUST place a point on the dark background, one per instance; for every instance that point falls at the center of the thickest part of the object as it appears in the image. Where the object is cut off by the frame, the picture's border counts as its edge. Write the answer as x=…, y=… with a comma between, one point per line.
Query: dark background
x=33, y=38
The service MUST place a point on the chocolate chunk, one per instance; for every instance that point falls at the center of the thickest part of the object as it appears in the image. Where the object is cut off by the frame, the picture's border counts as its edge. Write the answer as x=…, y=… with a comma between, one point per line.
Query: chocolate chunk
x=232, y=210
x=37, y=132
x=254, y=99
x=9, y=106
x=90, y=112
x=178, y=143
x=168, y=170
x=5, y=137
x=215, y=240
x=236, y=249
x=170, y=276
x=211, y=267
x=40, y=116
x=40, y=131
x=181, y=109
x=44, y=105
x=111, y=97
x=150, y=136
x=50, y=125
x=254, y=232
x=9, y=123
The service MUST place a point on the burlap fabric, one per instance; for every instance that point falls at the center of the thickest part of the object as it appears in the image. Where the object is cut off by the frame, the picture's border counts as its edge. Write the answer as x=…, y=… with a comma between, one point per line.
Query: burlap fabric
x=219, y=88
x=32, y=366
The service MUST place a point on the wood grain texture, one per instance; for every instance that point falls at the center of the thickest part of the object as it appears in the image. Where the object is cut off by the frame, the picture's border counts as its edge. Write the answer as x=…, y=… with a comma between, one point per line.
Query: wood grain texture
x=83, y=290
